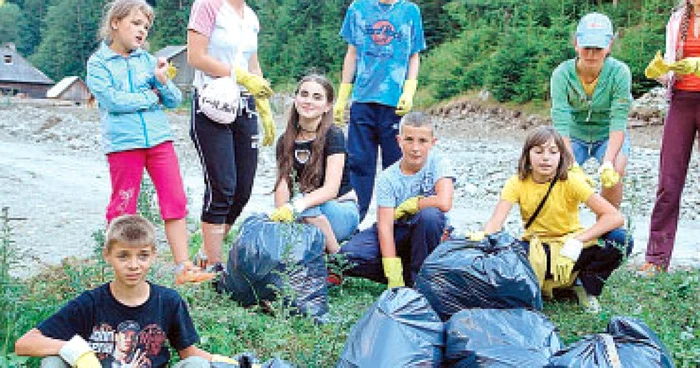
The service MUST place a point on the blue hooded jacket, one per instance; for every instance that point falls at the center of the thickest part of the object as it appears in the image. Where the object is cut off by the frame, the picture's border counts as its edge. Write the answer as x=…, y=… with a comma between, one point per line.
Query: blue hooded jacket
x=130, y=111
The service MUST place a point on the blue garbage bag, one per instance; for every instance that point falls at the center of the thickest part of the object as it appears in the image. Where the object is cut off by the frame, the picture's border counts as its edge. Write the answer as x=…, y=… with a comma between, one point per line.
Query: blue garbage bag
x=399, y=330
x=492, y=273
x=268, y=259
x=628, y=342
x=504, y=338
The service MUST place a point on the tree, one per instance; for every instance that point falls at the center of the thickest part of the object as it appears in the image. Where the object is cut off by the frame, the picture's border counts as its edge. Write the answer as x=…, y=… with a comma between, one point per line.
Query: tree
x=69, y=38
x=10, y=15
x=31, y=25
x=170, y=25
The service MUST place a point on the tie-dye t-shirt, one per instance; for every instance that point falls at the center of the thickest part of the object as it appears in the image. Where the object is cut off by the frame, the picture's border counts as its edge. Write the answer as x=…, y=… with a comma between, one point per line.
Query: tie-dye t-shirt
x=385, y=35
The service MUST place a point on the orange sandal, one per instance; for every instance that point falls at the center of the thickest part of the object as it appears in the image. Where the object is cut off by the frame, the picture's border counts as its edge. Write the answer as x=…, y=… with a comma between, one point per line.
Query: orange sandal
x=649, y=270
x=187, y=272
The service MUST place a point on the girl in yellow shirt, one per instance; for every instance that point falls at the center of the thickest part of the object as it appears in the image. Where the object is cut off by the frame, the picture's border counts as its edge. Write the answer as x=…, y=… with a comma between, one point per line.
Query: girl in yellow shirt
x=563, y=251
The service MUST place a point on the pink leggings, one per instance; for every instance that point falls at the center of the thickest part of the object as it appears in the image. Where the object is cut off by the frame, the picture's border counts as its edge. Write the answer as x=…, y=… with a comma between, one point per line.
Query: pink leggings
x=126, y=173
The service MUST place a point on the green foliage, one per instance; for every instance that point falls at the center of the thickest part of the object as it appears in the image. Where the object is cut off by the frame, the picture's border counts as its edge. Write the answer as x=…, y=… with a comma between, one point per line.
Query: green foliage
x=170, y=25
x=10, y=16
x=70, y=37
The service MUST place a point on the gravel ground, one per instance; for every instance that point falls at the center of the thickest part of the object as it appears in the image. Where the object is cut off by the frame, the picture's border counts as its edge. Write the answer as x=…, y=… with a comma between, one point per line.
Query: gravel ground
x=54, y=179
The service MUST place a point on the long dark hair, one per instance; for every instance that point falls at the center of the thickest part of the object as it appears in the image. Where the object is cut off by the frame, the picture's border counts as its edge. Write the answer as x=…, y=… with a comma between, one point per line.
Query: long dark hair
x=539, y=137
x=311, y=177
x=688, y=12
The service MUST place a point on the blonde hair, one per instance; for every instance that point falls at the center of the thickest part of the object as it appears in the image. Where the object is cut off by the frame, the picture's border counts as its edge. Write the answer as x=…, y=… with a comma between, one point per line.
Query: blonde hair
x=130, y=230
x=119, y=9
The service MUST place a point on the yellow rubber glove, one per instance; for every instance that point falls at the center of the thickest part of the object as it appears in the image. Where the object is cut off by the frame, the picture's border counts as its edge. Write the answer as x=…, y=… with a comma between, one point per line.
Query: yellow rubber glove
x=171, y=72
x=262, y=106
x=77, y=353
x=562, y=270
x=575, y=169
x=608, y=176
x=689, y=65
x=341, y=103
x=476, y=236
x=393, y=270
x=657, y=67
x=255, y=84
x=407, y=208
x=216, y=358
x=283, y=214
x=406, y=100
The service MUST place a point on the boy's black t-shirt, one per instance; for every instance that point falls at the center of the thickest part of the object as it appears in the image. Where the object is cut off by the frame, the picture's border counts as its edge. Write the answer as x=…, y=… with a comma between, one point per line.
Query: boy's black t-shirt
x=124, y=336
x=335, y=143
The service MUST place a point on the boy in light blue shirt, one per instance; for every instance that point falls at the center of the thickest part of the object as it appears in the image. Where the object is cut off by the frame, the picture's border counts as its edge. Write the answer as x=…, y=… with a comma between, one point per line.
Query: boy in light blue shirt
x=413, y=196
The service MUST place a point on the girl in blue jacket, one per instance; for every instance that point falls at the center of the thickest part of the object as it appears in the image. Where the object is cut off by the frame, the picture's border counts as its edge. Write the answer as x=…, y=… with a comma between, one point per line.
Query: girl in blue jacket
x=132, y=88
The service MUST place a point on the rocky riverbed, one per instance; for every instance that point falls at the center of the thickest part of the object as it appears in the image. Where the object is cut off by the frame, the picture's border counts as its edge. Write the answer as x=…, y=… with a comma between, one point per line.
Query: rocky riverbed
x=54, y=178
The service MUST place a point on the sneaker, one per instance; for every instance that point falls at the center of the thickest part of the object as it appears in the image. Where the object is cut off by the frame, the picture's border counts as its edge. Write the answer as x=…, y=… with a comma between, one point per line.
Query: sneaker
x=187, y=272
x=589, y=302
x=649, y=270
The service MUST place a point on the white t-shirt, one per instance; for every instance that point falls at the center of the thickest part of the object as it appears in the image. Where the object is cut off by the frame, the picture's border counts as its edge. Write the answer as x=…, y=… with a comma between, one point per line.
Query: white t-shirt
x=232, y=39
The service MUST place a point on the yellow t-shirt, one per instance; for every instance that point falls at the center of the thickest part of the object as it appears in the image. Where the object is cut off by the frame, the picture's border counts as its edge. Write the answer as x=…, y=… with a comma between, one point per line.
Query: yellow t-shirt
x=559, y=215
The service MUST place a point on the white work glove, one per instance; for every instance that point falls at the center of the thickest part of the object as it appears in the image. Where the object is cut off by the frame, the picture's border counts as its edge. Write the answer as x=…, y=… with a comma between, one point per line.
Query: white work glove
x=77, y=353
x=572, y=249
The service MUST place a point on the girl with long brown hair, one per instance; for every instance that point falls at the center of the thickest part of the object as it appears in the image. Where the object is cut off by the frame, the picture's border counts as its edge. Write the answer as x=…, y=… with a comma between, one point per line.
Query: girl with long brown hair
x=312, y=176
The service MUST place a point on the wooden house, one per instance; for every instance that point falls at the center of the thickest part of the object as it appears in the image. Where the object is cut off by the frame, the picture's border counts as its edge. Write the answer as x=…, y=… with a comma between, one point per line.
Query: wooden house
x=70, y=89
x=18, y=77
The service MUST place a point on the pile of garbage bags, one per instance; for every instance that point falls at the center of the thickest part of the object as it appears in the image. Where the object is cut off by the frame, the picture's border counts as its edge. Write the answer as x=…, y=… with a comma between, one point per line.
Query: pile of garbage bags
x=491, y=273
x=270, y=259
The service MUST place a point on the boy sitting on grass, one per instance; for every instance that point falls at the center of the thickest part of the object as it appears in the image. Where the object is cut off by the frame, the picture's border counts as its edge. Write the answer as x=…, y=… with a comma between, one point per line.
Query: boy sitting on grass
x=124, y=323
x=412, y=197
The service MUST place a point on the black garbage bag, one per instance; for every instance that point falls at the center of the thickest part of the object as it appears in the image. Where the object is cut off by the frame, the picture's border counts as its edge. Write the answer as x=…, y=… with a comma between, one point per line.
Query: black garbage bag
x=399, y=330
x=263, y=252
x=507, y=338
x=492, y=273
x=627, y=343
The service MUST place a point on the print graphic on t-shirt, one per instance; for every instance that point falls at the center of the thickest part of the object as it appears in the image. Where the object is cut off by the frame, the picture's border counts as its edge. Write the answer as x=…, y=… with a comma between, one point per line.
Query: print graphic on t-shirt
x=428, y=185
x=302, y=155
x=129, y=346
x=382, y=32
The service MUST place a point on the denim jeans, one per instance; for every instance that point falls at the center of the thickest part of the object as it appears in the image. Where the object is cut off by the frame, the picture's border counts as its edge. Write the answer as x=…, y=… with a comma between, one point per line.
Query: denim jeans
x=584, y=150
x=343, y=216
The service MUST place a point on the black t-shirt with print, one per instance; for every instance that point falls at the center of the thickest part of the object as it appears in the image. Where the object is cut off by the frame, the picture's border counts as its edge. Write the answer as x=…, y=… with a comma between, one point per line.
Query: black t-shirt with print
x=335, y=143
x=124, y=336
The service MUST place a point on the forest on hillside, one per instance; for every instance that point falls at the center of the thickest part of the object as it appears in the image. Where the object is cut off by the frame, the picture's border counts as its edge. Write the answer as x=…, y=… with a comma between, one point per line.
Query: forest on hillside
x=508, y=47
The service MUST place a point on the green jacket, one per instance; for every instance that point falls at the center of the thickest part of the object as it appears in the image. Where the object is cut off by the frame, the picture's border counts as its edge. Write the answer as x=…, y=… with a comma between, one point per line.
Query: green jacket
x=576, y=115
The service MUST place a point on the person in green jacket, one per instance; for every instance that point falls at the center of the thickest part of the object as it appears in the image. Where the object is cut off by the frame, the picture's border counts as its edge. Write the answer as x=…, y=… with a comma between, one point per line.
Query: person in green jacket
x=590, y=101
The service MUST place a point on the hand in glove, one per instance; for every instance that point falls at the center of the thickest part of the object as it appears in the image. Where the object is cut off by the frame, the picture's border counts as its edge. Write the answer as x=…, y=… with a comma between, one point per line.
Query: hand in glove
x=476, y=236
x=575, y=169
x=254, y=83
x=262, y=106
x=562, y=270
x=608, y=176
x=657, y=67
x=77, y=353
x=393, y=270
x=407, y=208
x=341, y=103
x=572, y=249
x=689, y=65
x=406, y=100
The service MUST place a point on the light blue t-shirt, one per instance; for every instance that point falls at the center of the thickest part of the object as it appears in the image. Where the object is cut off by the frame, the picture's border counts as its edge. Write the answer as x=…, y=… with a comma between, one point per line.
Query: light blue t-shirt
x=385, y=37
x=394, y=187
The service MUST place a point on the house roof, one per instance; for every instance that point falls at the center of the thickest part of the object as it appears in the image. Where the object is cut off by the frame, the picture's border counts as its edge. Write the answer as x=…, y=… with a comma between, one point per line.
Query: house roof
x=19, y=70
x=62, y=86
x=170, y=51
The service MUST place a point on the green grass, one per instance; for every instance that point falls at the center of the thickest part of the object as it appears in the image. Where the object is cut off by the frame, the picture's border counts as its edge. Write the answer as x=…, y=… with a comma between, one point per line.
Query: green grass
x=668, y=304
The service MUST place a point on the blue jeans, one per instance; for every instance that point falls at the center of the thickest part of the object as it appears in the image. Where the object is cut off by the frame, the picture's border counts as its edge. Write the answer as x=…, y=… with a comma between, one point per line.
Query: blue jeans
x=596, y=263
x=415, y=239
x=343, y=216
x=371, y=125
x=584, y=150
